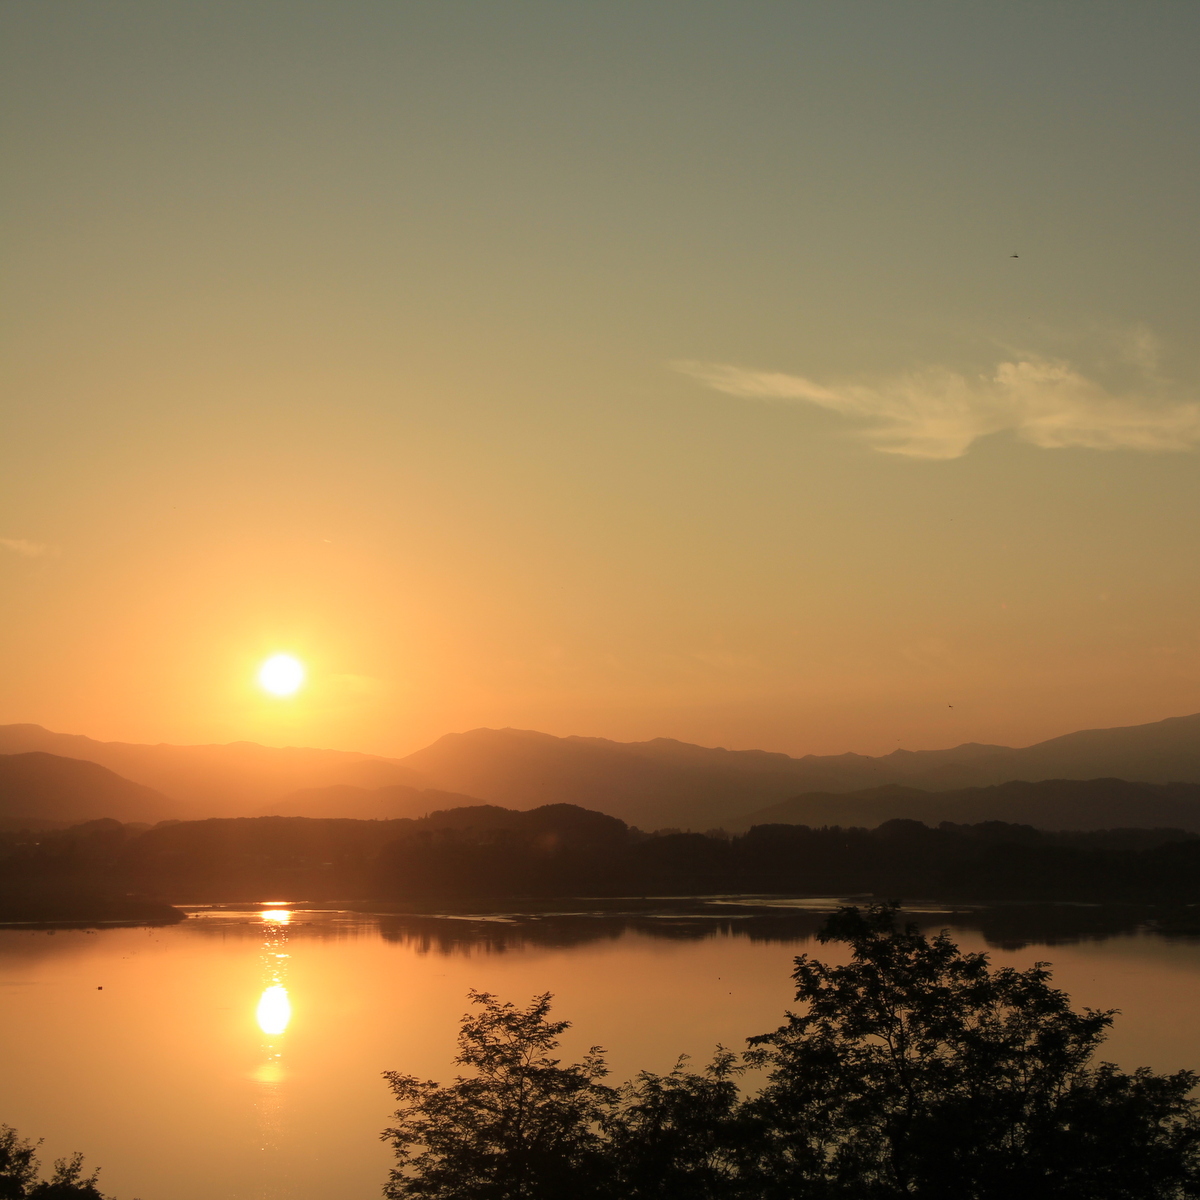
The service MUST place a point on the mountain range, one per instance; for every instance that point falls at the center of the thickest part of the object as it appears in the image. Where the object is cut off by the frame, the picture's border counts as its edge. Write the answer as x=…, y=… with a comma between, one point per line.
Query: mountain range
x=1057, y=804
x=366, y=804
x=664, y=782
x=56, y=790
x=653, y=784
x=232, y=780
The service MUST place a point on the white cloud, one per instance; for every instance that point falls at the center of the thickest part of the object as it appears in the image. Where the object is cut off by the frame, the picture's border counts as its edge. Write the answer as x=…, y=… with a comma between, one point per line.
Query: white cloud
x=937, y=413
x=27, y=549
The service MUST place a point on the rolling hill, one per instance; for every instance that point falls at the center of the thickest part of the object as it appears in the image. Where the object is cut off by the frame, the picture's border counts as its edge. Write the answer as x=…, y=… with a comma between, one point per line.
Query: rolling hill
x=365, y=804
x=51, y=789
x=237, y=779
x=1055, y=804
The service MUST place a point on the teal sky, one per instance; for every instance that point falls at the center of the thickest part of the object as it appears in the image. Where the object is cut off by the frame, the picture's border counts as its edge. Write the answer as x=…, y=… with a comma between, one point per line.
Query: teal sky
x=603, y=368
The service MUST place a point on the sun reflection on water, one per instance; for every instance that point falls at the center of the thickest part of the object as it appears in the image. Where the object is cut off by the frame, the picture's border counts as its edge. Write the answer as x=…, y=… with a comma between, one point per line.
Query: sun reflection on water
x=274, y=1009
x=273, y=1012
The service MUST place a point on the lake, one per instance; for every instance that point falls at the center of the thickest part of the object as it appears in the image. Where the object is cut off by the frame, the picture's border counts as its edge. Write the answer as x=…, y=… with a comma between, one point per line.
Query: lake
x=239, y=1053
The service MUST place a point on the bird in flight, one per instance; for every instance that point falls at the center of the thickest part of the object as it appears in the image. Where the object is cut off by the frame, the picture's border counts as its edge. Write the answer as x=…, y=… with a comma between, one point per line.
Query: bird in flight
x=1014, y=256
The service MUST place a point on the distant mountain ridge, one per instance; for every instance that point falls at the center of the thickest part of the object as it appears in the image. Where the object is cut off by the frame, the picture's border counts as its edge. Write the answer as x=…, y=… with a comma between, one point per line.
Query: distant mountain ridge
x=55, y=789
x=366, y=804
x=652, y=784
x=662, y=782
x=669, y=783
x=1051, y=804
x=236, y=779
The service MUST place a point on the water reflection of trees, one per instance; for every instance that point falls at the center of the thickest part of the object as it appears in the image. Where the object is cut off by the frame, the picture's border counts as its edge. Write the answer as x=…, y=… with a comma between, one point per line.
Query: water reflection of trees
x=1013, y=927
x=1008, y=927
x=439, y=936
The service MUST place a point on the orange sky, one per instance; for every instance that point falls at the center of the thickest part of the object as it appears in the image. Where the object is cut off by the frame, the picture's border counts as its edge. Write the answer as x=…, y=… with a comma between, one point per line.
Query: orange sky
x=627, y=371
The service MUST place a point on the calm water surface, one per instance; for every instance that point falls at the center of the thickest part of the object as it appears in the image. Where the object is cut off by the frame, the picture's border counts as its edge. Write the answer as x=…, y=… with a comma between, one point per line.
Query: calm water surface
x=239, y=1054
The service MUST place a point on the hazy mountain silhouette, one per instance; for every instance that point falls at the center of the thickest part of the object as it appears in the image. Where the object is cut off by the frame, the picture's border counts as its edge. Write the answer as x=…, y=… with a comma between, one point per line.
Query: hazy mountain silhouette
x=368, y=804
x=50, y=788
x=652, y=784
x=1161, y=752
x=667, y=783
x=237, y=779
x=1048, y=804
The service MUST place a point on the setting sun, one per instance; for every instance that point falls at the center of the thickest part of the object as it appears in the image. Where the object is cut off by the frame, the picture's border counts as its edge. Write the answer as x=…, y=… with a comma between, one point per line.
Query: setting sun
x=281, y=674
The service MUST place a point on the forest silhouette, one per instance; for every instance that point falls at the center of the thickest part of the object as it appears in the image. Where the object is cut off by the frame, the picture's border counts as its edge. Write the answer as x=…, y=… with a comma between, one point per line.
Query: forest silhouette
x=106, y=870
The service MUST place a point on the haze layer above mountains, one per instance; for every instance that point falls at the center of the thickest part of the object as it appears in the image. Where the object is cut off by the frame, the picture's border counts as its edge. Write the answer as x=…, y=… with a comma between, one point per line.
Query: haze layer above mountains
x=655, y=784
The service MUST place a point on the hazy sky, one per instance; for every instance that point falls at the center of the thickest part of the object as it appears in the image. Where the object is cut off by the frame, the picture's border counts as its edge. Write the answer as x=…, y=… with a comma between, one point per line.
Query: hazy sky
x=627, y=369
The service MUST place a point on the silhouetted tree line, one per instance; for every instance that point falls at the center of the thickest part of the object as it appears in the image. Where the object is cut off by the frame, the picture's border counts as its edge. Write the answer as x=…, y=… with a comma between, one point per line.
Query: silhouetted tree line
x=561, y=850
x=913, y=1071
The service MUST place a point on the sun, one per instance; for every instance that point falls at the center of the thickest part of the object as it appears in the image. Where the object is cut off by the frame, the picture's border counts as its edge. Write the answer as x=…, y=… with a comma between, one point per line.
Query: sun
x=281, y=674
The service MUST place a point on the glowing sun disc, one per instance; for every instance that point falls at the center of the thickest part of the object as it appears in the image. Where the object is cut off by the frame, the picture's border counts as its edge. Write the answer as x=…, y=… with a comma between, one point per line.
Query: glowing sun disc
x=281, y=674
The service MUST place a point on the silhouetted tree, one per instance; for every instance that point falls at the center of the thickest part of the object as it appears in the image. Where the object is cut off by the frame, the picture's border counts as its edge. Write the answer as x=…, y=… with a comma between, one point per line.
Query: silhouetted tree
x=19, y=1170
x=523, y=1127
x=679, y=1134
x=918, y=1070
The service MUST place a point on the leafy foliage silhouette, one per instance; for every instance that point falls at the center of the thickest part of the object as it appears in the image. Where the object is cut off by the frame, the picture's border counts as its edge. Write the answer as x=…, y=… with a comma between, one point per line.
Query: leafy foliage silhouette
x=20, y=1168
x=918, y=1070
x=678, y=1134
x=521, y=1126
x=914, y=1070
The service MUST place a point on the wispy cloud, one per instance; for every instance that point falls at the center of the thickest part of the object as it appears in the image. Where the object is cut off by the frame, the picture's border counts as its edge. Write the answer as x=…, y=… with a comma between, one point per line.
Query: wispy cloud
x=27, y=549
x=937, y=413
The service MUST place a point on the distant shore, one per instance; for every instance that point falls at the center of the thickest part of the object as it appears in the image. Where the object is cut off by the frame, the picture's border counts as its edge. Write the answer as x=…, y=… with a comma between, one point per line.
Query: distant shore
x=81, y=912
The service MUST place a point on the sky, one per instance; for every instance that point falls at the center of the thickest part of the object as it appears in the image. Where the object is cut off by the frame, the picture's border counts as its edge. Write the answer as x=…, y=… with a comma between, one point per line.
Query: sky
x=800, y=376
